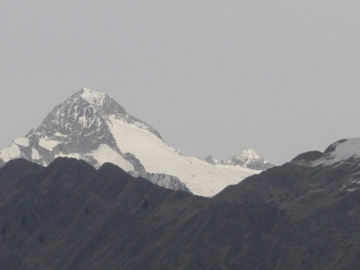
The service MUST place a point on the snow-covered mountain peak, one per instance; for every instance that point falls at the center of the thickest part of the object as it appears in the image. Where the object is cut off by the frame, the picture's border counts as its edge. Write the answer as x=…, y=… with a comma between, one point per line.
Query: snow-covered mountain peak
x=93, y=127
x=94, y=98
x=88, y=111
x=78, y=127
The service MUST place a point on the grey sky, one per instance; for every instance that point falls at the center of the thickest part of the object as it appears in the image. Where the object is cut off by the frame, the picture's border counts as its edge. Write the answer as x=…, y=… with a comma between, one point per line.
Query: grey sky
x=213, y=77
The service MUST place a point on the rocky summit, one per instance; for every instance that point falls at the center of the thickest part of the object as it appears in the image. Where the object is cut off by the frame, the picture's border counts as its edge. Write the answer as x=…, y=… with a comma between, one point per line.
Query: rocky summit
x=93, y=127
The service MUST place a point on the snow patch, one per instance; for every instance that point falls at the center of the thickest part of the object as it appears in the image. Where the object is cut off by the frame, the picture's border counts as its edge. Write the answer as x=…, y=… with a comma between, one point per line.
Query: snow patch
x=10, y=152
x=106, y=154
x=35, y=154
x=58, y=134
x=22, y=141
x=74, y=155
x=48, y=144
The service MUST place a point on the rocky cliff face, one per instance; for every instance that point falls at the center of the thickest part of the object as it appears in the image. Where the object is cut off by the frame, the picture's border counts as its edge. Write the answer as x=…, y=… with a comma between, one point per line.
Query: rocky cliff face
x=162, y=180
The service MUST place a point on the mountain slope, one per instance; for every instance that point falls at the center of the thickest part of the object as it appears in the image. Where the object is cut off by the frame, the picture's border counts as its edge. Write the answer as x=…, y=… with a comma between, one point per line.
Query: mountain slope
x=342, y=151
x=91, y=126
x=70, y=216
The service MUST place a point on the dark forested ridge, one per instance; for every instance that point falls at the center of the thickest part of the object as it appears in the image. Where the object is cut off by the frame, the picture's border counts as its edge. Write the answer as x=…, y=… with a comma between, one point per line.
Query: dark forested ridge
x=70, y=216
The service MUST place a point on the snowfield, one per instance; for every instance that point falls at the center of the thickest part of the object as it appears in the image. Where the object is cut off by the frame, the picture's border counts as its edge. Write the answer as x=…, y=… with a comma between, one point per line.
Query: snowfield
x=200, y=177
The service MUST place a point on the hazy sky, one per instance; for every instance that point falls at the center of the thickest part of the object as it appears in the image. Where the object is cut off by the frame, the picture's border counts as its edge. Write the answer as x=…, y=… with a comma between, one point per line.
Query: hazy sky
x=213, y=77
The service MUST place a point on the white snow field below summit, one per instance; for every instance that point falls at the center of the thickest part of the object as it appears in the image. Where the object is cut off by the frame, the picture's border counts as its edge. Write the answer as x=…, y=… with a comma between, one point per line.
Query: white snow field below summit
x=105, y=154
x=199, y=176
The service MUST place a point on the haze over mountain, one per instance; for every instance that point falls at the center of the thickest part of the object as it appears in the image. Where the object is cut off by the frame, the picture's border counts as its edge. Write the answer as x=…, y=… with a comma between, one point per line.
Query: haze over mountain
x=92, y=126
x=201, y=72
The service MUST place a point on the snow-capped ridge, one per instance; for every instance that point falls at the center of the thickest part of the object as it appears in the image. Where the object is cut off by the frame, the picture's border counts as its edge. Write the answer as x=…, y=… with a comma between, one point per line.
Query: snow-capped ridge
x=339, y=152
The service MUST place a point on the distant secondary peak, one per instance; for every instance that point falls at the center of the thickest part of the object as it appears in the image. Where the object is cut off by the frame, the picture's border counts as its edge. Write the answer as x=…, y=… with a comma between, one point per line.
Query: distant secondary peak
x=249, y=159
x=246, y=155
x=246, y=159
x=94, y=98
x=249, y=153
